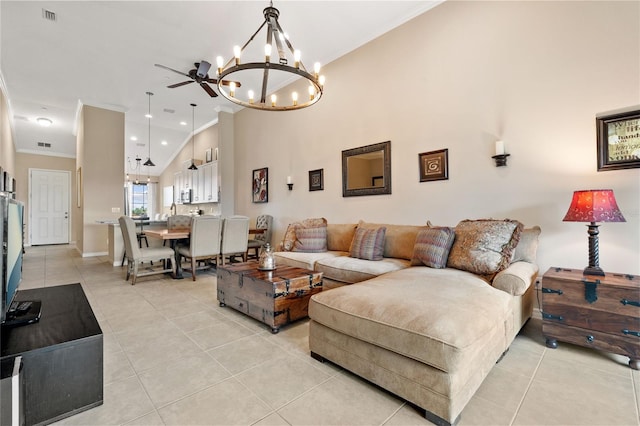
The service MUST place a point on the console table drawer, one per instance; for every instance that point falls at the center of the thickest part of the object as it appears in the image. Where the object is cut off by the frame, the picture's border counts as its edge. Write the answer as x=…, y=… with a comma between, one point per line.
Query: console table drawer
x=617, y=344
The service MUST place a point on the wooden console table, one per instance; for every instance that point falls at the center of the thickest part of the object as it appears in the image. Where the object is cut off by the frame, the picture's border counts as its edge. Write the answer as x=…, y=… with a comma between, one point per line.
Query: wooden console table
x=600, y=312
x=62, y=354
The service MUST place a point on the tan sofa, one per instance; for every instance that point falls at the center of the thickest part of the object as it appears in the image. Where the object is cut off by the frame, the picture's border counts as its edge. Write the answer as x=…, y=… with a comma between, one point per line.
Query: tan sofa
x=428, y=335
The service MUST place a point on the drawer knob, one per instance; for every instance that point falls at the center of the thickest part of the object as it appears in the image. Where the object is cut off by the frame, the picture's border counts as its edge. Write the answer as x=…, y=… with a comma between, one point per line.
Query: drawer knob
x=590, y=338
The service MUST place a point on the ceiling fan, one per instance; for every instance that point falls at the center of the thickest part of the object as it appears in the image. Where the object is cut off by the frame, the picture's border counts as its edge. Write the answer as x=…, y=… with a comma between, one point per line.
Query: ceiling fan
x=200, y=75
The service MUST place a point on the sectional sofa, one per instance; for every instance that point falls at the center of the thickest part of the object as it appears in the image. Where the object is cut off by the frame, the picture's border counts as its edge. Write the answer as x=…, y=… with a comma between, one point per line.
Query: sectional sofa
x=431, y=316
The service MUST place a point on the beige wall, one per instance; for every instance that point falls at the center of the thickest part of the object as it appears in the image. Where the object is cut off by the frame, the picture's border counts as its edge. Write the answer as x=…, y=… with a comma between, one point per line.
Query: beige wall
x=7, y=147
x=461, y=76
x=24, y=162
x=100, y=150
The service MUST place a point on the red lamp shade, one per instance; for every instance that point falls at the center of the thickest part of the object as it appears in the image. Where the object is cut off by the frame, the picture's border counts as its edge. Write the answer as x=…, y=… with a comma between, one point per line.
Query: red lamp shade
x=594, y=205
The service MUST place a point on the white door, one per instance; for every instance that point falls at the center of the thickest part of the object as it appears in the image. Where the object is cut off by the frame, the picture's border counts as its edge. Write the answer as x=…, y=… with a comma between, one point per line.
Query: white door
x=49, y=205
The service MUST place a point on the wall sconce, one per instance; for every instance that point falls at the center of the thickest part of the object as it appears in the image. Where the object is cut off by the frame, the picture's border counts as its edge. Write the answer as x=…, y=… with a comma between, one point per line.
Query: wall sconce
x=500, y=157
x=289, y=183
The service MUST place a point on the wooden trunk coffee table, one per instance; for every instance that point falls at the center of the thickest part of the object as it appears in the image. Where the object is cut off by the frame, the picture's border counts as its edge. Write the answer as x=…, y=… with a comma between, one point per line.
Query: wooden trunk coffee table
x=274, y=298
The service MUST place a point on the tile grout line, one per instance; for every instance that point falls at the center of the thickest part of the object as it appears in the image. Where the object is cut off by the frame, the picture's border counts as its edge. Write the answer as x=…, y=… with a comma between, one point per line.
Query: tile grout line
x=533, y=376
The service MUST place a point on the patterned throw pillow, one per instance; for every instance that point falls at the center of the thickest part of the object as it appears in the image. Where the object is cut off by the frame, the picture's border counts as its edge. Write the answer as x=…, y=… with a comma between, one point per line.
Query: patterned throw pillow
x=289, y=239
x=432, y=246
x=368, y=243
x=484, y=247
x=527, y=246
x=311, y=240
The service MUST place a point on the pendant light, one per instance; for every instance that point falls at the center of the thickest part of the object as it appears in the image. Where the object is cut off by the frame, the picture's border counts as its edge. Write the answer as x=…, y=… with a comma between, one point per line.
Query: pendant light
x=149, y=162
x=193, y=138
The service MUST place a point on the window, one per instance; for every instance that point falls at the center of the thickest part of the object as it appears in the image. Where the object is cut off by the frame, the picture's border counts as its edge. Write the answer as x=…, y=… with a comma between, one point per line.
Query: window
x=140, y=199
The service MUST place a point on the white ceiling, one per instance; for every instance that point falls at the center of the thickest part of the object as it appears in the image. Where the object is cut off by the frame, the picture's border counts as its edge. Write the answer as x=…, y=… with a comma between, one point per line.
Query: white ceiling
x=102, y=53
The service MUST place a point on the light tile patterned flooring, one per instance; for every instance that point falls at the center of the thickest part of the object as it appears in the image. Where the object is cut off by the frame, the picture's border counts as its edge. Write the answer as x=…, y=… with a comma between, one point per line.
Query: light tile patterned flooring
x=172, y=356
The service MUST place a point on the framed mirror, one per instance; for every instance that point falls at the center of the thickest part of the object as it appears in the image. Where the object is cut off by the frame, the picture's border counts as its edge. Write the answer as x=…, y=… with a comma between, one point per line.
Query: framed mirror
x=367, y=170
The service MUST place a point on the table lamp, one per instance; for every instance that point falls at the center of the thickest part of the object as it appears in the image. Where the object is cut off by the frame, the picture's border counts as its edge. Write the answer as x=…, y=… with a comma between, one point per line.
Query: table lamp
x=593, y=205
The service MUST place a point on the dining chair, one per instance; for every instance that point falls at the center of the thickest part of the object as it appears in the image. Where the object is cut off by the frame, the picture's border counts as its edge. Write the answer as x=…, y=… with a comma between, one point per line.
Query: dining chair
x=178, y=221
x=235, y=238
x=204, y=243
x=264, y=222
x=137, y=255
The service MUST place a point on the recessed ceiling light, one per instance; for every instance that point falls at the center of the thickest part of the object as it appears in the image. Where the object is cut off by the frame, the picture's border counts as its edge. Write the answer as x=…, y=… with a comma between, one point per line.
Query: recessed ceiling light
x=44, y=122
x=148, y=116
x=183, y=123
x=133, y=138
x=164, y=142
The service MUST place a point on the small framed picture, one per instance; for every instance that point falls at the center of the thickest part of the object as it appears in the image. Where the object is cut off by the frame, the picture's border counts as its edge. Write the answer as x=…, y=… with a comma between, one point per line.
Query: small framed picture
x=208, y=155
x=618, y=141
x=316, y=180
x=215, y=155
x=434, y=165
x=260, y=185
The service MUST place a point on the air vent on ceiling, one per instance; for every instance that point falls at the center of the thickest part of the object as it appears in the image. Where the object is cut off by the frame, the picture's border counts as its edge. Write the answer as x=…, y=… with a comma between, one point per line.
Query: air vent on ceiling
x=170, y=111
x=44, y=144
x=49, y=15
x=20, y=117
x=141, y=144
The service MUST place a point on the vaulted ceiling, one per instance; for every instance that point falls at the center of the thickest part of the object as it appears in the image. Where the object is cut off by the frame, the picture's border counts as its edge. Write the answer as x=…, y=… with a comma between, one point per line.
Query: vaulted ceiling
x=102, y=53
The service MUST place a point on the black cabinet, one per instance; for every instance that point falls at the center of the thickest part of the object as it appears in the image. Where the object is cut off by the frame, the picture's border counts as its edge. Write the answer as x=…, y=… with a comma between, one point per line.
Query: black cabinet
x=62, y=354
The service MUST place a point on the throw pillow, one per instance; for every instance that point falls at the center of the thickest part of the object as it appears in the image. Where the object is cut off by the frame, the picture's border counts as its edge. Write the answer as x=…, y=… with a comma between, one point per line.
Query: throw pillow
x=289, y=239
x=311, y=240
x=527, y=246
x=433, y=245
x=484, y=247
x=368, y=243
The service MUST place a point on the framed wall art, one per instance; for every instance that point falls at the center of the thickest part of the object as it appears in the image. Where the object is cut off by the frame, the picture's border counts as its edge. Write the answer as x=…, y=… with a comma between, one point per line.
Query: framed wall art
x=208, y=155
x=260, y=185
x=316, y=180
x=434, y=165
x=618, y=141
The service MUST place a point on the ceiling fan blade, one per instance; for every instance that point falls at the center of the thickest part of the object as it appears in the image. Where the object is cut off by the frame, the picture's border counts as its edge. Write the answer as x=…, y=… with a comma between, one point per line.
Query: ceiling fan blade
x=171, y=69
x=203, y=69
x=208, y=89
x=224, y=82
x=173, y=86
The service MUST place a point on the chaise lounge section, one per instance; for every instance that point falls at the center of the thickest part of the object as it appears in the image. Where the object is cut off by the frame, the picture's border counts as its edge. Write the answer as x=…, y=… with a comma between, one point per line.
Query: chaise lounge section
x=429, y=334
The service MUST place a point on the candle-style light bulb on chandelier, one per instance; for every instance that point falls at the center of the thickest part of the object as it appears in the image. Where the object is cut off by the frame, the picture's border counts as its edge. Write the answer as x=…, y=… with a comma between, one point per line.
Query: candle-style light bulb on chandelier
x=285, y=54
x=193, y=138
x=149, y=162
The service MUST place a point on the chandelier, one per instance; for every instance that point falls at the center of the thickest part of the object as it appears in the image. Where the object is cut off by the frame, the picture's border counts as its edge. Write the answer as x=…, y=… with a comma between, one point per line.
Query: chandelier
x=286, y=55
x=135, y=169
x=149, y=162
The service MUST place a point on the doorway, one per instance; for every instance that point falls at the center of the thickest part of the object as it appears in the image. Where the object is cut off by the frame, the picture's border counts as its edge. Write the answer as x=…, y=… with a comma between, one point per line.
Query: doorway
x=49, y=206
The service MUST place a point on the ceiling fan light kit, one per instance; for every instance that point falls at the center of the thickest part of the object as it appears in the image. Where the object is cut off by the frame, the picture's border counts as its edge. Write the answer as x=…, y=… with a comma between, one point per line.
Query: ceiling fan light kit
x=285, y=54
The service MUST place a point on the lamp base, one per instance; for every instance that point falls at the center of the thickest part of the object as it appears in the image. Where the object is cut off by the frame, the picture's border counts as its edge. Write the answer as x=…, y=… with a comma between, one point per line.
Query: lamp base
x=593, y=270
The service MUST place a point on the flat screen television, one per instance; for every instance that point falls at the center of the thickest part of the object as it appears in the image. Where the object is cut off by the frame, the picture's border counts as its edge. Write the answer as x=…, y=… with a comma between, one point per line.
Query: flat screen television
x=11, y=229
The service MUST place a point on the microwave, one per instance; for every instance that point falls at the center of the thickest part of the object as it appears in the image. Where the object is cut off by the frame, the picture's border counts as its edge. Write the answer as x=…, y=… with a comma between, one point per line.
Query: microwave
x=185, y=196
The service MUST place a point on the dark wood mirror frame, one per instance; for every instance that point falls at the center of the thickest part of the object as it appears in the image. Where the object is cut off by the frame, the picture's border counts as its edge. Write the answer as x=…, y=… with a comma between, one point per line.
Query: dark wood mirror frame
x=385, y=147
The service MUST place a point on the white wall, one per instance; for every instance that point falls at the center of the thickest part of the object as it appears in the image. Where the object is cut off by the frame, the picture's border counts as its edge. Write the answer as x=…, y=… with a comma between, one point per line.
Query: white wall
x=461, y=76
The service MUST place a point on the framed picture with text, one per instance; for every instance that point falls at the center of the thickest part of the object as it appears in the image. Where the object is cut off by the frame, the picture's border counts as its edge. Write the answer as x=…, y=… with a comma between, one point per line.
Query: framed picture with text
x=434, y=165
x=618, y=141
x=260, y=185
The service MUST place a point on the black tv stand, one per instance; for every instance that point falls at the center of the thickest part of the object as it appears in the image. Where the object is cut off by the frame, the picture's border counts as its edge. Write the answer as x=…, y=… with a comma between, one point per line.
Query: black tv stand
x=19, y=316
x=62, y=354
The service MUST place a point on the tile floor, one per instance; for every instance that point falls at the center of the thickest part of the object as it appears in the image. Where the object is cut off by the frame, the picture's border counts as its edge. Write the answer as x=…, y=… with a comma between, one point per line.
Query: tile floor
x=172, y=356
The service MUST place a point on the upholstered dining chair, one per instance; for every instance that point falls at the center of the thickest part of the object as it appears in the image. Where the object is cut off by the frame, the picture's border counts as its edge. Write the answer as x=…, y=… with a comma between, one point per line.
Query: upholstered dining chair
x=137, y=255
x=178, y=221
x=204, y=243
x=235, y=237
x=264, y=222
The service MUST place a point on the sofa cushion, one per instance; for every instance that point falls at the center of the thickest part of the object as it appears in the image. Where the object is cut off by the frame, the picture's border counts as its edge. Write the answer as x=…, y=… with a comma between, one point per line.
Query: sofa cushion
x=441, y=317
x=304, y=260
x=485, y=246
x=398, y=240
x=527, y=247
x=311, y=240
x=290, y=234
x=368, y=243
x=350, y=270
x=339, y=236
x=516, y=279
x=432, y=246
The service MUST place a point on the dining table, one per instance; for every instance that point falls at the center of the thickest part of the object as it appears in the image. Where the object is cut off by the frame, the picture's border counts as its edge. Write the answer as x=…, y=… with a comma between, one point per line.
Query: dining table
x=171, y=235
